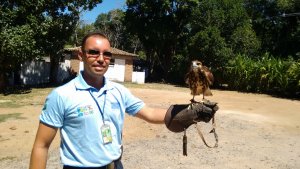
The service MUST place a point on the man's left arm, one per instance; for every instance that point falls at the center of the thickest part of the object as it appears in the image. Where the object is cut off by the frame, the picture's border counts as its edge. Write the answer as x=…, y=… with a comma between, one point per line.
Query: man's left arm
x=179, y=117
x=151, y=115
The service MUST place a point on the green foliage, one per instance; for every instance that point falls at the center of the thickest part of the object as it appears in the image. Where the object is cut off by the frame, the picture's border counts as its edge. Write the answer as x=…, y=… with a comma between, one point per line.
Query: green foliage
x=244, y=41
x=266, y=75
x=159, y=25
x=277, y=25
x=31, y=28
x=18, y=44
x=111, y=24
x=209, y=47
x=229, y=36
x=141, y=55
x=80, y=31
x=180, y=67
x=220, y=30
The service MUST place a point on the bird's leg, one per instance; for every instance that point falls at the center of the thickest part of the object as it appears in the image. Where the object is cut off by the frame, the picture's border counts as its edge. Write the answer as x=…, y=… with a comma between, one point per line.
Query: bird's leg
x=193, y=99
x=203, y=99
x=203, y=94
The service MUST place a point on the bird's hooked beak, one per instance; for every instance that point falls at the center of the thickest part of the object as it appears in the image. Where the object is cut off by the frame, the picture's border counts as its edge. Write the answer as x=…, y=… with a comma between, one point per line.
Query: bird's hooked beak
x=196, y=65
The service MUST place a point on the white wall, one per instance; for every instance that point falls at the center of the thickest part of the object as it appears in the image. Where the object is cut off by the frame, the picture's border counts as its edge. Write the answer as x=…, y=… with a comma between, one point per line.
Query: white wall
x=111, y=73
x=35, y=72
x=119, y=69
x=80, y=66
x=38, y=72
x=138, y=77
x=63, y=71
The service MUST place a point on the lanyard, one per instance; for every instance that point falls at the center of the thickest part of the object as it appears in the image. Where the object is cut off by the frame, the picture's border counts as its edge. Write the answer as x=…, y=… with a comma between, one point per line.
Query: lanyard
x=101, y=112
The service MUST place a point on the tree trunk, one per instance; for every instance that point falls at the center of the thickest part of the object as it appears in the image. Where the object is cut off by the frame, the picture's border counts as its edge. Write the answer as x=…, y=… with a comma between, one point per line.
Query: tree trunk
x=2, y=81
x=150, y=63
x=167, y=53
x=17, y=74
x=54, y=64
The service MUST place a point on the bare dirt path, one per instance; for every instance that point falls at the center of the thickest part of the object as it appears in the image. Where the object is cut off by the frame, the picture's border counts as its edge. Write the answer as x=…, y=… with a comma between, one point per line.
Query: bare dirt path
x=255, y=131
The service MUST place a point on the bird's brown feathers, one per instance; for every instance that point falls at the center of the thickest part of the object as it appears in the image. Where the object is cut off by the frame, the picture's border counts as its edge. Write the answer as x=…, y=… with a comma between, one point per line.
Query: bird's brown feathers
x=199, y=78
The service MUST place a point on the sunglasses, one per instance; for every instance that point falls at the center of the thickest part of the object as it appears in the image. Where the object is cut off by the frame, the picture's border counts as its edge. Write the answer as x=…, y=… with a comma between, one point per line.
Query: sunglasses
x=96, y=53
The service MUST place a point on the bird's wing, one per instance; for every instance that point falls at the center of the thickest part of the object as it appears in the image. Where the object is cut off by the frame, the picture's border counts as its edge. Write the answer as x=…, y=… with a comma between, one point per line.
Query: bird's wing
x=186, y=78
x=208, y=74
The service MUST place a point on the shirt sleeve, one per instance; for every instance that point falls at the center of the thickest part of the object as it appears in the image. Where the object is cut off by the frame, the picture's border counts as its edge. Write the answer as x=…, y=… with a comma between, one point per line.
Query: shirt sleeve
x=53, y=110
x=132, y=103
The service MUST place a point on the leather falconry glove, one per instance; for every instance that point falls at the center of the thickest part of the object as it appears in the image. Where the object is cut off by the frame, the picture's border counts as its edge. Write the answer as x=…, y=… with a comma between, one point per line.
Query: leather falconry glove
x=180, y=116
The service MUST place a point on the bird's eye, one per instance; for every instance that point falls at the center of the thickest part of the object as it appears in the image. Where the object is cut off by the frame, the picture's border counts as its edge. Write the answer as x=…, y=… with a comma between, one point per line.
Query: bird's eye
x=198, y=63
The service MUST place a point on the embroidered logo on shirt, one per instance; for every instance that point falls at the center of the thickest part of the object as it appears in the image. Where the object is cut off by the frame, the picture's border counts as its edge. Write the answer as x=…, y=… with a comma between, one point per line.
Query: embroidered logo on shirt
x=84, y=111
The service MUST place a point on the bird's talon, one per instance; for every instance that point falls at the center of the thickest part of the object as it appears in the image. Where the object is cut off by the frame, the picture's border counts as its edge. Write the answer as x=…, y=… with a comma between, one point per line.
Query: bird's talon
x=194, y=101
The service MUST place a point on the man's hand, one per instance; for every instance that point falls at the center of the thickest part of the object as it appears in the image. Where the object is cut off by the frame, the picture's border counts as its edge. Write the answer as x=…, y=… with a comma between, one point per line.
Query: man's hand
x=180, y=117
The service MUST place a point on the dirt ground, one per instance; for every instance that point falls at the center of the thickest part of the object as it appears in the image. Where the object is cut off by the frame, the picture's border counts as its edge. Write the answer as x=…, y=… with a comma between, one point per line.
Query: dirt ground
x=255, y=131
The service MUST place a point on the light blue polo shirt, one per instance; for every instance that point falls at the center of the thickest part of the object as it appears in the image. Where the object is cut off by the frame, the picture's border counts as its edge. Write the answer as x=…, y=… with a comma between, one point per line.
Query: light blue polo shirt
x=72, y=109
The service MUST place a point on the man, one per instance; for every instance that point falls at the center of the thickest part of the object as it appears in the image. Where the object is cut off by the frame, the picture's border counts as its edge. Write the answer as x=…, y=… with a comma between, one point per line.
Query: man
x=89, y=111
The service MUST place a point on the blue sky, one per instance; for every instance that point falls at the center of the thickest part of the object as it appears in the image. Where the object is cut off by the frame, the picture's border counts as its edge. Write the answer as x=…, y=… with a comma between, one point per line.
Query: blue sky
x=104, y=7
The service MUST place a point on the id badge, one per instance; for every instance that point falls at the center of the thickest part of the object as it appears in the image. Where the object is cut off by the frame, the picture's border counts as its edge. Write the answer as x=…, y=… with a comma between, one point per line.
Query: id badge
x=106, y=134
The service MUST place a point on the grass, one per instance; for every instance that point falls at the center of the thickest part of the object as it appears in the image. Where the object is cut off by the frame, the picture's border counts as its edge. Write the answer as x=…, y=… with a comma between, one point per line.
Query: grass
x=8, y=104
x=8, y=158
x=32, y=97
x=4, y=117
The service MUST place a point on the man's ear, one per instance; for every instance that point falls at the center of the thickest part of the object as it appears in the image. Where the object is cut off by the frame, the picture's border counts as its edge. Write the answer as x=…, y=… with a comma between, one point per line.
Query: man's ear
x=80, y=54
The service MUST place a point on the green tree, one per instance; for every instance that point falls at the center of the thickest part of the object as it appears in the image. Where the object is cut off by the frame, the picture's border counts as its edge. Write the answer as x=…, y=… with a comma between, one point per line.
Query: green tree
x=17, y=39
x=210, y=47
x=244, y=41
x=277, y=24
x=61, y=23
x=17, y=45
x=81, y=30
x=45, y=27
x=111, y=24
x=219, y=29
x=160, y=26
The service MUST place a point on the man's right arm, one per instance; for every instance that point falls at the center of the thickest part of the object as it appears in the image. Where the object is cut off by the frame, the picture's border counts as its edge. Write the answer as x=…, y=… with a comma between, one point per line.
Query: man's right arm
x=44, y=137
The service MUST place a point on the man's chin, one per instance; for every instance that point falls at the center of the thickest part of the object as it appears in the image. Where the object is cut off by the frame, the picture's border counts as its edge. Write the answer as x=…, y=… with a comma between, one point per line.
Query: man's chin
x=99, y=72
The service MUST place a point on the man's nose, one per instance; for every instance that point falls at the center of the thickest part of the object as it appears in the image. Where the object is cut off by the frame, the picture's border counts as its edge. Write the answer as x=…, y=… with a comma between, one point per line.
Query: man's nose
x=100, y=57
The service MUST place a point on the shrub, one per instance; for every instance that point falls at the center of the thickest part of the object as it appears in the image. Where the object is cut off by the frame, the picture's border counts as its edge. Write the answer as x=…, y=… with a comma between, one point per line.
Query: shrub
x=264, y=75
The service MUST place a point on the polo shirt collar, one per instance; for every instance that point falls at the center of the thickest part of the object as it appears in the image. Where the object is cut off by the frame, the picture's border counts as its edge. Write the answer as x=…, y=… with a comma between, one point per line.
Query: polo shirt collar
x=81, y=84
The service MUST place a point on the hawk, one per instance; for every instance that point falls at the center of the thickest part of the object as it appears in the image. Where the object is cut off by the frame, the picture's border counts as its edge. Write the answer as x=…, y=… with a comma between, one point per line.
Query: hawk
x=199, y=78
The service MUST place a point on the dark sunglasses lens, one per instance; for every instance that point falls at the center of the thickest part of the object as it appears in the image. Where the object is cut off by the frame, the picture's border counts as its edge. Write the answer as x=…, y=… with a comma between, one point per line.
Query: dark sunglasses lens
x=93, y=52
x=107, y=54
